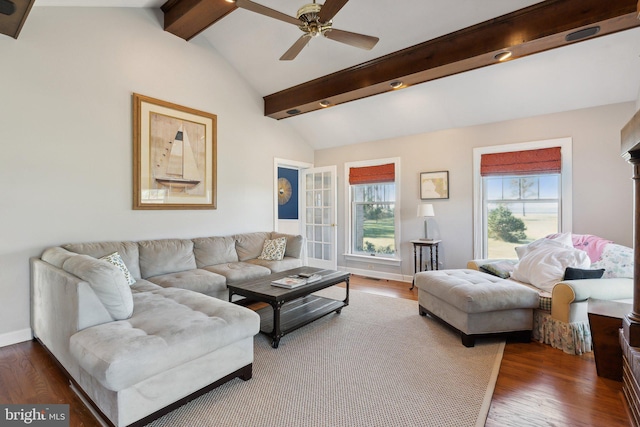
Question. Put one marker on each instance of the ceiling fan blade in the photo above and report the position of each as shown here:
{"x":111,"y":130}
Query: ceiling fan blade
{"x":330,"y":8}
{"x":296,"y":48}
{"x":263,"y":10}
{"x":352,"y":39}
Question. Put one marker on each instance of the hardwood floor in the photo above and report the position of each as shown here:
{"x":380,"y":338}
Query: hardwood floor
{"x":542,"y":386}
{"x":28,"y":375}
{"x":537,"y":385}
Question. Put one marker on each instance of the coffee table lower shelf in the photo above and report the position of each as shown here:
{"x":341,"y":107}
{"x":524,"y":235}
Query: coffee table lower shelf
{"x":295,"y":314}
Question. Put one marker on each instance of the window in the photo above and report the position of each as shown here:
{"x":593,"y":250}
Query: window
{"x":373,"y":219}
{"x":522,"y":193}
{"x":519,"y":209}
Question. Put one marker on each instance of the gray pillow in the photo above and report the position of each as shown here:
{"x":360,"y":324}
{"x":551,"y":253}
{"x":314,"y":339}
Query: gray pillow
{"x":502,"y":269}
{"x":56,"y":256}
{"x":106,"y":280}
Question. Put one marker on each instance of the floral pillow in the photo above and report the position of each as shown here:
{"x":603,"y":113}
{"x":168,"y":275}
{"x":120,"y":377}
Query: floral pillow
{"x":617,"y":261}
{"x":273,"y":250}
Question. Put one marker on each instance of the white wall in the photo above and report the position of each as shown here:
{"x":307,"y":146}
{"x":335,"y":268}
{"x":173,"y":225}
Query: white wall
{"x":602,"y":187}
{"x":66,"y":139}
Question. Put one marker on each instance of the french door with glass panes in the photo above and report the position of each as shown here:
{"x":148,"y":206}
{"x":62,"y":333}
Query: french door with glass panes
{"x":320,"y":217}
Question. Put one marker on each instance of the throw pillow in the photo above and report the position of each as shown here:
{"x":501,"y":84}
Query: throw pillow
{"x":544,"y":263}
{"x":116,"y":260}
{"x":563,"y":239}
{"x":273,"y":250}
{"x":577,"y":273}
{"x":106,"y":280}
{"x":617,"y":261}
{"x":501,"y":269}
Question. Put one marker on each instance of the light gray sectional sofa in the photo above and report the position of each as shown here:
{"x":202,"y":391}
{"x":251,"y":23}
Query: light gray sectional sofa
{"x":138,"y":350}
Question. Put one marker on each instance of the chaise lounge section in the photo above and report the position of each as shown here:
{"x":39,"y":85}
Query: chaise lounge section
{"x":476,"y":304}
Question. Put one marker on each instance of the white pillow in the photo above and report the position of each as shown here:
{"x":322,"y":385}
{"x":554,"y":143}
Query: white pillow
{"x":563,"y":239}
{"x":543,"y":263}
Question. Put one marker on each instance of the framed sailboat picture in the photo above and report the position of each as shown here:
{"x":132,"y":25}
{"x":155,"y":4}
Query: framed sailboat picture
{"x":174,"y":156}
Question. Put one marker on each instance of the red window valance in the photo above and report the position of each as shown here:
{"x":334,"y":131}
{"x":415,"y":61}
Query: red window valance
{"x":544,"y":160}
{"x":372,"y":174}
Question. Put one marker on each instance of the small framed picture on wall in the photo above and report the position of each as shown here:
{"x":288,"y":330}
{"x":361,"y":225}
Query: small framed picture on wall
{"x":434,"y":185}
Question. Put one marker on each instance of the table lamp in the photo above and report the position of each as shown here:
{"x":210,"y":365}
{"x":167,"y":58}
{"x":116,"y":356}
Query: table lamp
{"x":425,"y":210}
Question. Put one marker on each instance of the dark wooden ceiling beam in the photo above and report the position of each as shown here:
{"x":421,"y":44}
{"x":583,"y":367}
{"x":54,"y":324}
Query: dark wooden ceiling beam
{"x":188,"y":18}
{"x":535,"y":29}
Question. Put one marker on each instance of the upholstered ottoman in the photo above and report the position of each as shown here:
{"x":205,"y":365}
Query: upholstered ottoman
{"x":476,"y":303}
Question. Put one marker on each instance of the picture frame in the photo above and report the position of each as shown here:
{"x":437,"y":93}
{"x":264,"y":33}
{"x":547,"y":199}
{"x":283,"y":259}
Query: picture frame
{"x":434,"y":185}
{"x":174,"y":156}
{"x":288,"y":193}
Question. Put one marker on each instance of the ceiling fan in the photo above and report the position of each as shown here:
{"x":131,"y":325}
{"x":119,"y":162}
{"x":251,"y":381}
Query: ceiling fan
{"x":314,"y":20}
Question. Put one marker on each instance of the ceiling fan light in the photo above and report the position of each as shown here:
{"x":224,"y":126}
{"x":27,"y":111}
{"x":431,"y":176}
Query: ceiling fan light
{"x":397,"y":84}
{"x":309,"y":12}
{"x":325,"y":103}
{"x":502,"y":56}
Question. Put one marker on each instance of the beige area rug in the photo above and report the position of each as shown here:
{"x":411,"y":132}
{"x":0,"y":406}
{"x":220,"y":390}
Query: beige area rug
{"x":378,"y":363}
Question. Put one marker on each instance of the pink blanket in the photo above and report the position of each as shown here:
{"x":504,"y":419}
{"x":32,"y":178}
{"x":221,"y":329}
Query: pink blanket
{"x":592,"y":245}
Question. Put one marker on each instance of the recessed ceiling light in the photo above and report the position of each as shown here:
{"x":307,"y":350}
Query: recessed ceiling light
{"x":325,"y":103}
{"x":396,"y":84}
{"x":293,"y":112}
{"x":503,"y":55}
{"x":7,"y":7}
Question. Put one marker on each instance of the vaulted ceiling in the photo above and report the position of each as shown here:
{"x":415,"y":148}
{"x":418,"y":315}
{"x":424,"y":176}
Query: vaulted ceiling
{"x":443,"y":51}
{"x":534,"y":29}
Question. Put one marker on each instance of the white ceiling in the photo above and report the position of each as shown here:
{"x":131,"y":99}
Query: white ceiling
{"x":600,"y":71}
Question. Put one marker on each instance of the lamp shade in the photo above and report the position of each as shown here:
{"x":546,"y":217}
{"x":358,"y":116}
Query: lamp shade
{"x":425,"y":209}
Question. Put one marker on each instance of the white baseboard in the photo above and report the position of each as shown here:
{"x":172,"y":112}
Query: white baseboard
{"x":15,"y":337}
{"x":377,"y":274}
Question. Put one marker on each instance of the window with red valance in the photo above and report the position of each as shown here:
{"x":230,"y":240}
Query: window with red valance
{"x":373,"y":217}
{"x":521,"y":197}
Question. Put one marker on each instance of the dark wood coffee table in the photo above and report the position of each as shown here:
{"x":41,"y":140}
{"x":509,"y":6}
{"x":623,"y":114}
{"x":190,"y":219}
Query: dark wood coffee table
{"x":291,"y":308}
